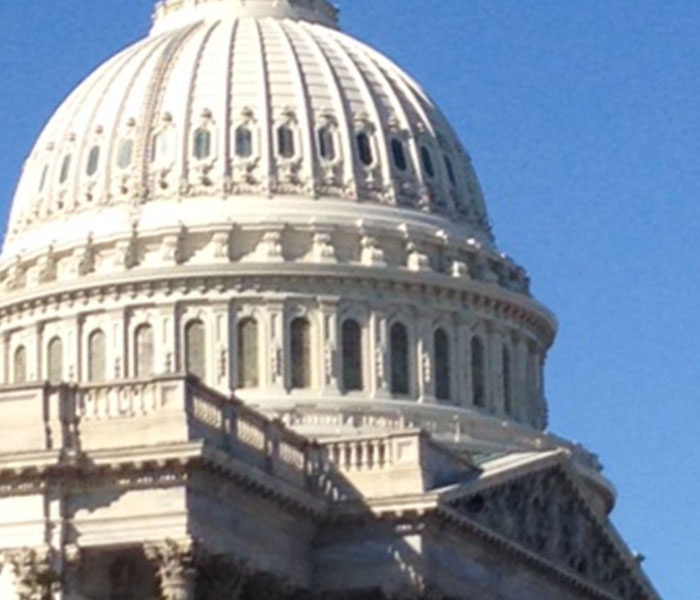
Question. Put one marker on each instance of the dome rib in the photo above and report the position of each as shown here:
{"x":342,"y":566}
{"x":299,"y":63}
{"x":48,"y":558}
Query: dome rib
{"x":265,"y":108}
{"x":374,"y":119}
{"x":120,"y":120}
{"x":306,"y":125}
{"x":341,"y":106}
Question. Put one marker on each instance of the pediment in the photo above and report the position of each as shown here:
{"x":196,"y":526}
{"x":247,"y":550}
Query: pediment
{"x":545,"y":511}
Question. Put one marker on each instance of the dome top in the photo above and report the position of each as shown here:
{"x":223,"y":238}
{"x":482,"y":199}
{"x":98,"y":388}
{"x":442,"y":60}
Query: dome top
{"x":171,"y":14}
{"x":256,"y":102}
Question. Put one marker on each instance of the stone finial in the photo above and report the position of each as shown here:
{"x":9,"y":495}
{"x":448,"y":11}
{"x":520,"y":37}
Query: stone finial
{"x":372,"y":253}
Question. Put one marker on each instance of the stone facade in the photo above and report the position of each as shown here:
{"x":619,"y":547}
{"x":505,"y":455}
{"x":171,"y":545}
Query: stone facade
{"x":257,"y":342}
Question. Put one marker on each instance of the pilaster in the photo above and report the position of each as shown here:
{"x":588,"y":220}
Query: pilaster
{"x":378,"y":355}
{"x":275,"y":347}
{"x":330,"y":342}
{"x":495,"y":368}
{"x":221,"y":348}
{"x":426,"y":367}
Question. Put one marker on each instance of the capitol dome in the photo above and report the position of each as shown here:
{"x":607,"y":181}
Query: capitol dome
{"x":253,"y":197}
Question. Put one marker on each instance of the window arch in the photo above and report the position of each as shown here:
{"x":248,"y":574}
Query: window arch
{"x":248,"y":366}
{"x":93,"y":161}
{"x":243,"y":142}
{"x":300,"y":353}
{"x":202,"y":143}
{"x":399,"y":357}
{"x":507,"y":388}
{"x":364,"y":149}
{"x":144,"y":351}
{"x":54,"y":367}
{"x":478,"y":370}
{"x":19,"y":365}
{"x":442,"y":365}
{"x":399,"y":154}
{"x":326,"y":143}
{"x":65,"y":169}
{"x":352,"y":356}
{"x":195,"y":349}
{"x":285,"y":141}
{"x":427,"y":160}
{"x":124,"y":153}
{"x":97,"y":356}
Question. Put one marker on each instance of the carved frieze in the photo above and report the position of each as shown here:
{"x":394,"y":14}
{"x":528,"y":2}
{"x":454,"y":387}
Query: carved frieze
{"x":544,"y":514}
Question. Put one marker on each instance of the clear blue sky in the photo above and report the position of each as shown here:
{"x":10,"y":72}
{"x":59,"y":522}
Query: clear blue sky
{"x":583,"y":120}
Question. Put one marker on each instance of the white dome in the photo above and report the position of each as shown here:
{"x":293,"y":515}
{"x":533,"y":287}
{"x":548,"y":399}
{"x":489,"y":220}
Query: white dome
{"x":199,"y":111}
{"x":253,"y":197}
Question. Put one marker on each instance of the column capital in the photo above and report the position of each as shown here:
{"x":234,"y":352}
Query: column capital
{"x":175,"y":560}
{"x":35,"y":576}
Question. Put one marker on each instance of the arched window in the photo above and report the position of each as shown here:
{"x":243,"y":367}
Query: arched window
{"x":442,"y":365}
{"x":124,"y":152}
{"x":195,"y":349}
{"x":248,"y":368}
{"x":19,"y":366}
{"x":397,"y":151}
{"x":65,"y":169}
{"x":42,"y":181}
{"x":352,"y":356}
{"x":507,"y":388}
{"x":144,"y":350}
{"x":97,"y":356}
{"x":202,"y":143}
{"x":55,"y":360}
{"x":399,"y":357}
{"x":93,"y":161}
{"x":364,"y":149}
{"x":244,"y":142}
{"x":326,"y":143}
{"x":285,"y":141}
{"x":450,"y":170}
{"x":427,"y":159}
{"x":300,"y":353}
{"x":478,"y":369}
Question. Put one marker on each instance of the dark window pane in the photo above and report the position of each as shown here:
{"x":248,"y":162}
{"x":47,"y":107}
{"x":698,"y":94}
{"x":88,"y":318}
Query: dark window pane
{"x":202,"y":143}
{"x":126,"y":148}
{"x":144,"y":349}
{"x":442,"y":365}
{"x":20,"y":365}
{"x":326,"y":144}
{"x":55,"y":360}
{"x":300,"y":349}
{"x":478,"y":371}
{"x":352,"y":356}
{"x":42,"y":181}
{"x":285,"y":141}
{"x":65,"y":169}
{"x":400,"y":371}
{"x":364,"y":149}
{"x":93,"y":160}
{"x":97,"y":356}
{"x":397,"y":151}
{"x":507,"y":391}
{"x":195,"y":349}
{"x":244,"y":142}
{"x":450,"y":170}
{"x":248,"y":354}
{"x":427,"y":159}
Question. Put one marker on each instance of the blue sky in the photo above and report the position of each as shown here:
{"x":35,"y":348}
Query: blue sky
{"x":583,"y":121}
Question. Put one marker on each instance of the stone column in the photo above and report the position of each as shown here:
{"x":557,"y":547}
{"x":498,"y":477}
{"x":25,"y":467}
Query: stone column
{"x":274,"y":349}
{"x":378,"y":384}
{"x":165,"y":355}
{"x":221,"y":348}
{"x":520,"y":379}
{"x":494,"y":363}
{"x":176,"y":569}
{"x":328,"y":319}
{"x":35,"y":577}
{"x":6,"y":361}
{"x":426,"y":362}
